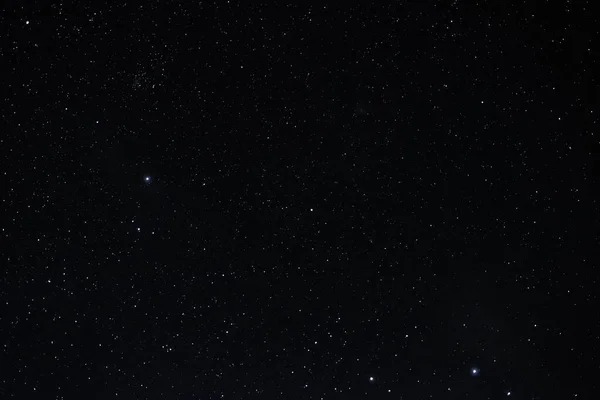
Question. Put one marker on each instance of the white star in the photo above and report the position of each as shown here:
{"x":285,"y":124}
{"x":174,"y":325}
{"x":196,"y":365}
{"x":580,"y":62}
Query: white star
{"x":147,"y":178}
{"x":474,"y":371}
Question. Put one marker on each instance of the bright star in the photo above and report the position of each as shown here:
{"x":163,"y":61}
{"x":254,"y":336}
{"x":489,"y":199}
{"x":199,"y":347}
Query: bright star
{"x":474,"y":371}
{"x":147,"y":179}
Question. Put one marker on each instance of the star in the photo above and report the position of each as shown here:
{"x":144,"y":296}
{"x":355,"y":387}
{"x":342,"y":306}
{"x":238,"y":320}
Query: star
{"x":474,"y":371}
{"x":147,"y":178}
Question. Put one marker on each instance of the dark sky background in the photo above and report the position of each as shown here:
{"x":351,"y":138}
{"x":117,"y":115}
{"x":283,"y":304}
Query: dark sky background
{"x":216,"y":201}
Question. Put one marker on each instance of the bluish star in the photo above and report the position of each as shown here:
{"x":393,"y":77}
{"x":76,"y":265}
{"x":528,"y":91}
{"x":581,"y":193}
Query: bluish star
{"x":474,"y":371}
{"x":147,"y":179}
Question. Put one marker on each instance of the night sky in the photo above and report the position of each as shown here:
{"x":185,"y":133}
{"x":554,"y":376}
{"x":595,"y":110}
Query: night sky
{"x":216,"y":201}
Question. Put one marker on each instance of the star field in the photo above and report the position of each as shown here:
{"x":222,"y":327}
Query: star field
{"x":210,"y":200}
